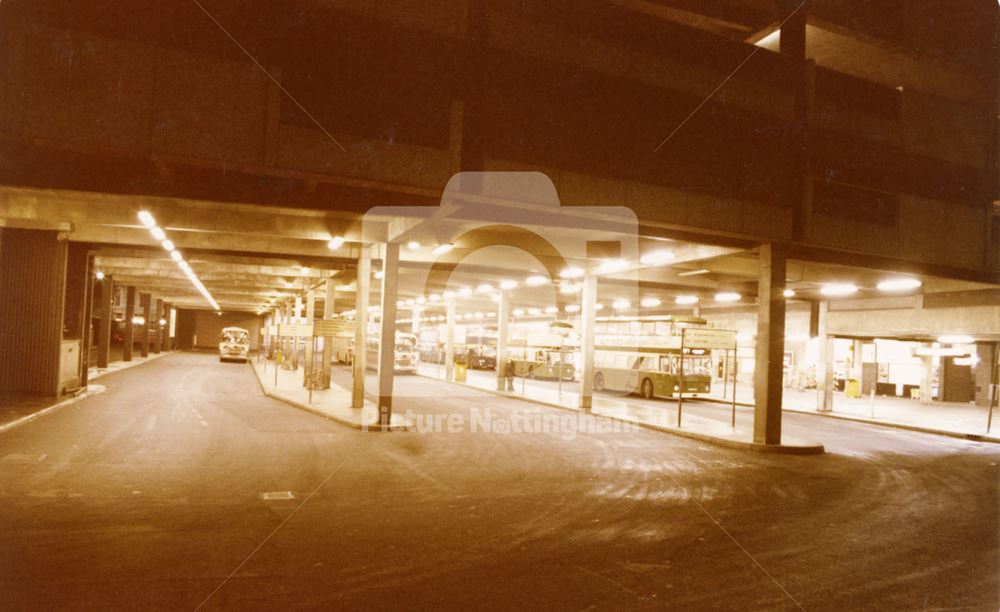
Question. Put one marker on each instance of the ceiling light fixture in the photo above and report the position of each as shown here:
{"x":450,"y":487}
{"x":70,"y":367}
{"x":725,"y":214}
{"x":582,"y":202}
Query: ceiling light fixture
{"x":335,"y":243}
{"x":413,"y":245}
{"x":727,"y":296}
{"x":686,"y":300}
{"x":956,"y":339}
{"x":149,"y":222}
{"x":788,"y":293}
{"x":508,"y":284}
{"x":694,"y":272}
{"x":571,"y":272}
{"x":650,"y":302}
{"x":899,"y":284}
{"x":839,"y":289}
{"x":536,"y":280}
{"x":441,"y":249}
{"x":656,"y":258}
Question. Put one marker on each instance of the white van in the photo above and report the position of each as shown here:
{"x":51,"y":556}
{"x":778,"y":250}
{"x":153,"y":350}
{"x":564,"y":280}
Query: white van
{"x":235,"y":344}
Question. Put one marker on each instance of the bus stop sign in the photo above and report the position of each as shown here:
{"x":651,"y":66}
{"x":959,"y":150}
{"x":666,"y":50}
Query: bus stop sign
{"x":703,"y":338}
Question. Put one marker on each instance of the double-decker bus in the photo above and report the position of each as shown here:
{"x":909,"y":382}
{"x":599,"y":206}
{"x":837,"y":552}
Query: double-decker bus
{"x":644,"y":356}
{"x":482,"y":350}
{"x":405,"y":359}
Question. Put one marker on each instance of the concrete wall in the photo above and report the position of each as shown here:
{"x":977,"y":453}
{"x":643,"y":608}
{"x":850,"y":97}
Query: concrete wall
{"x":210,"y":108}
{"x":208,"y":327}
{"x":32,"y":290}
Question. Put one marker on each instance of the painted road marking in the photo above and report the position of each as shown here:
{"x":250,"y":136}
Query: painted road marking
{"x":276,"y":495}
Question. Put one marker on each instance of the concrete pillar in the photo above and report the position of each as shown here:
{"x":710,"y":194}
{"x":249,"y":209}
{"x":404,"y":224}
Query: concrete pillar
{"x":105,"y":305}
{"x":168,"y":330}
{"x":856,"y":358}
{"x":157,"y":328}
{"x":984,"y":372}
{"x":361,"y":327}
{"x":329,"y":310}
{"x":296,"y":318}
{"x":415,"y":320}
{"x":449,"y":342}
{"x":310,"y":317}
{"x":926,"y":379}
{"x":387,"y":331}
{"x":770,"y":345}
{"x":129,"y":338}
{"x":145,"y":301}
{"x":86,"y":324}
{"x":32,"y":295}
{"x":824,"y":369}
{"x":588,"y":316}
{"x":503,"y":333}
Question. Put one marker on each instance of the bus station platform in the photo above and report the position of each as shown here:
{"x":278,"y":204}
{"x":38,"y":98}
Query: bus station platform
{"x":333,"y":403}
{"x":699,"y":420}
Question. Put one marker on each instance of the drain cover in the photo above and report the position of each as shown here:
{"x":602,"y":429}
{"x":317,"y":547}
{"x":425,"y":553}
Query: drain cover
{"x":272,"y":495}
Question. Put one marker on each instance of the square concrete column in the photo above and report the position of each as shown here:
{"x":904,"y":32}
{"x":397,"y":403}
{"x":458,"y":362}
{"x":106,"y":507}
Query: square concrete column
{"x":984,"y":372}
{"x":129,"y":324}
{"x":415,"y":320}
{"x":770,"y":346}
{"x":105,"y":305}
{"x":308,"y":342}
{"x":32,"y":296}
{"x":387,"y":331}
{"x":145,"y":302}
{"x":168,"y":314}
{"x":329,"y":310}
{"x":297,"y":317}
{"x":361,"y":327}
{"x":449,"y":341}
{"x":157,"y":328}
{"x":503,"y":333}
{"x":926,"y":379}
{"x":824,"y":369}
{"x":87,"y":332}
{"x":588,"y":315}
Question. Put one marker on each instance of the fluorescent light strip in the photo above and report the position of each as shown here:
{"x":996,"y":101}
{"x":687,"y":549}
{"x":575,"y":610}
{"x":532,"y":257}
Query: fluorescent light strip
{"x":149,"y":222}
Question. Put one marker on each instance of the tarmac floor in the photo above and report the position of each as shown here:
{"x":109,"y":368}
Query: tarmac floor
{"x":182,"y":486}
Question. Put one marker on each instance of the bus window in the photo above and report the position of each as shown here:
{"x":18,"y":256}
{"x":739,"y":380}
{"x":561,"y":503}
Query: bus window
{"x":698,"y":366}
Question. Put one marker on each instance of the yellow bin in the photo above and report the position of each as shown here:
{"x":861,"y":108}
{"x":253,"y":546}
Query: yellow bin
{"x":460,"y":372}
{"x":852,"y":388}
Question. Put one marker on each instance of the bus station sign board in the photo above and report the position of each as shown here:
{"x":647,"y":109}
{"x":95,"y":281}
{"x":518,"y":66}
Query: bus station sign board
{"x":295,"y":330}
{"x":704,"y":338}
{"x":334,"y":327}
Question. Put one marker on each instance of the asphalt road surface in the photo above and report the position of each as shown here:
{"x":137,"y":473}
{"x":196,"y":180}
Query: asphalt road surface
{"x":166,"y":492}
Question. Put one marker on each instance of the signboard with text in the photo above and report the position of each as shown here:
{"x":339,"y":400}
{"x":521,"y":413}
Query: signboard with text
{"x":704,"y":338}
{"x":336,"y":327}
{"x":295,"y":330}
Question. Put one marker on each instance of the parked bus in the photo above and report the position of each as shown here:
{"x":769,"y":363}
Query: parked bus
{"x":482,"y":351}
{"x":234,"y":344}
{"x":405,"y":357}
{"x":651,"y":372}
{"x":643,"y":356}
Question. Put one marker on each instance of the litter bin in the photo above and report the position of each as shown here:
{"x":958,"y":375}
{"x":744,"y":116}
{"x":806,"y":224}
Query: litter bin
{"x":460,"y":372}
{"x":852,"y":388}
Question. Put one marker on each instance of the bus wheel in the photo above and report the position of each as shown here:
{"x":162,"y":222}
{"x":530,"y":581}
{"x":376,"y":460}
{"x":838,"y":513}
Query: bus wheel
{"x":599,"y":382}
{"x":647,"y":388}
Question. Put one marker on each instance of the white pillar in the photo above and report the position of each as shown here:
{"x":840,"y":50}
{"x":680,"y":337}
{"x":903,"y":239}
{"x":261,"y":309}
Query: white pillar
{"x":824,"y":369}
{"x":296,"y":318}
{"x":449,"y":346}
{"x":415,"y":321}
{"x":328,"y":312}
{"x":588,"y":314}
{"x":503,"y":318}
{"x":310,"y":317}
{"x":926,"y":376}
{"x":387,"y":331}
{"x":361,"y":327}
